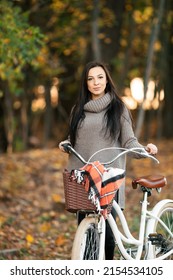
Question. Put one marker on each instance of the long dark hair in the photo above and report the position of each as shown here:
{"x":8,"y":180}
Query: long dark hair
{"x":114,"y":110}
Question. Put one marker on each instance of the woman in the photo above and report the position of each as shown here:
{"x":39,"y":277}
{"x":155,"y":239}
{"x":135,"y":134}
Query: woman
{"x":99,"y":120}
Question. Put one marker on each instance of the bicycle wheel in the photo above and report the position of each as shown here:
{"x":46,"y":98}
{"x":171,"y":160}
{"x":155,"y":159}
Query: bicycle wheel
{"x":89,"y":241}
{"x":161,"y":239}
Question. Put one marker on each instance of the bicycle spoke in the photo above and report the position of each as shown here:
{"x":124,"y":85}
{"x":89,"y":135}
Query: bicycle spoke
{"x":165,"y":241}
{"x":90,"y":244}
{"x":87,"y":244}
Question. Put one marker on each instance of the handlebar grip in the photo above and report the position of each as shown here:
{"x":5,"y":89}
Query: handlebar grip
{"x":67,"y":147}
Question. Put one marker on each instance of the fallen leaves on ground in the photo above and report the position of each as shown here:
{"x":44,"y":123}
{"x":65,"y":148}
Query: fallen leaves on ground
{"x":33,"y":220}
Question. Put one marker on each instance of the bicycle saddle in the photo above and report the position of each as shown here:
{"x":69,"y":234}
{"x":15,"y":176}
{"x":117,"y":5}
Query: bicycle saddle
{"x":150,"y":181}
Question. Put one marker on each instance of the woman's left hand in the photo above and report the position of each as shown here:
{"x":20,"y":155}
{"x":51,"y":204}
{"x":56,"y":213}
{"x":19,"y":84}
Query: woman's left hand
{"x":152,"y":149}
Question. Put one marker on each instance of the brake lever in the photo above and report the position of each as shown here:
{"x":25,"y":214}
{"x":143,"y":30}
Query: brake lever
{"x":144,"y":152}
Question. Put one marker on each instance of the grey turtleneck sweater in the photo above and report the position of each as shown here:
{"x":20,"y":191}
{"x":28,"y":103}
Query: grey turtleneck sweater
{"x":91,"y":138}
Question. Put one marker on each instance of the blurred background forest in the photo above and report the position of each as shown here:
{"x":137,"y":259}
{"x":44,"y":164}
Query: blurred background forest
{"x":44,"y":45}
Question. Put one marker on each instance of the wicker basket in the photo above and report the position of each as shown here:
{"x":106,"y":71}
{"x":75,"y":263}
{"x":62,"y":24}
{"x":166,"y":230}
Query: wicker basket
{"x":76,"y":198}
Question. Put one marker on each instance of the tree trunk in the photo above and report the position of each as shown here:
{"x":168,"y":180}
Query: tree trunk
{"x":3,"y":138}
{"x":48,"y":115}
{"x":95,"y":32}
{"x":150,"y":54}
{"x":128,"y":52}
{"x":168,"y":74}
{"x":9,"y":118}
{"x":24,"y":121}
{"x":113,"y":33}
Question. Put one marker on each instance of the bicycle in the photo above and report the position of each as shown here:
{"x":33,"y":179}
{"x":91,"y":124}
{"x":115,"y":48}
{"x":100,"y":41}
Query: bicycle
{"x":155,"y":236}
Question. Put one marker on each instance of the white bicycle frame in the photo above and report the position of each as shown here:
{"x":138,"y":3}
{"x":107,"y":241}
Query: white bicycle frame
{"x":146,"y":221}
{"x":127,"y":236}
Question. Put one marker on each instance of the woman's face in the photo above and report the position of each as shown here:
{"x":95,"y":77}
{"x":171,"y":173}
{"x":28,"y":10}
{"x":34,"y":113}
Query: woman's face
{"x":96,"y":82}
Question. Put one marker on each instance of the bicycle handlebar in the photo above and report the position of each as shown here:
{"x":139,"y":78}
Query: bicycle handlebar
{"x":141,"y":151}
{"x":68,"y":149}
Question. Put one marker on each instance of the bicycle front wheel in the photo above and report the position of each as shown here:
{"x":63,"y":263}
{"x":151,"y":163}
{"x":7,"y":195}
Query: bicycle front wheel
{"x":161,"y":237}
{"x":89,"y":240}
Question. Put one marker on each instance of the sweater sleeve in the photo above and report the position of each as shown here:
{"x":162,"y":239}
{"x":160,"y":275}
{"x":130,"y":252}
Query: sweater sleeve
{"x":127,"y":137}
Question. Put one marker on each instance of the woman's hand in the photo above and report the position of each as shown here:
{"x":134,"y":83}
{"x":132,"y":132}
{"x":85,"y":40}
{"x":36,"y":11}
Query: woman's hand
{"x":151,"y":149}
{"x":61,"y":145}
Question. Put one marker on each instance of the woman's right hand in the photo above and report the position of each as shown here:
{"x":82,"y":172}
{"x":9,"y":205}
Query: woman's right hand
{"x":151,"y":149}
{"x":61,"y":145}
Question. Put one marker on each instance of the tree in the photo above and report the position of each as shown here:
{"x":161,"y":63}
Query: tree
{"x":20,"y":45}
{"x":116,"y":32}
{"x":153,"y":37}
{"x":166,"y":64}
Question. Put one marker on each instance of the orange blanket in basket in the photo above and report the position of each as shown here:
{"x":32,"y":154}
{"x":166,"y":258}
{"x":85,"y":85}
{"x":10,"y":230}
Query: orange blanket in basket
{"x":104,"y":182}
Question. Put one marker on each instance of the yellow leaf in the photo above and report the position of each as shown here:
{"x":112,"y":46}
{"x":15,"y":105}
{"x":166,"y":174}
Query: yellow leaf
{"x":60,"y":240}
{"x":45,"y":227}
{"x":56,"y":197}
{"x":6,"y":41}
{"x":2,"y":220}
{"x":29,"y":238}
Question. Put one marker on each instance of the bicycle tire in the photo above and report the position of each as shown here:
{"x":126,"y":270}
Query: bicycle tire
{"x":161,"y":241}
{"x":87,"y":242}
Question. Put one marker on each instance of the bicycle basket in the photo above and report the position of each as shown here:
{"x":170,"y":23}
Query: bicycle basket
{"x":76,"y":198}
